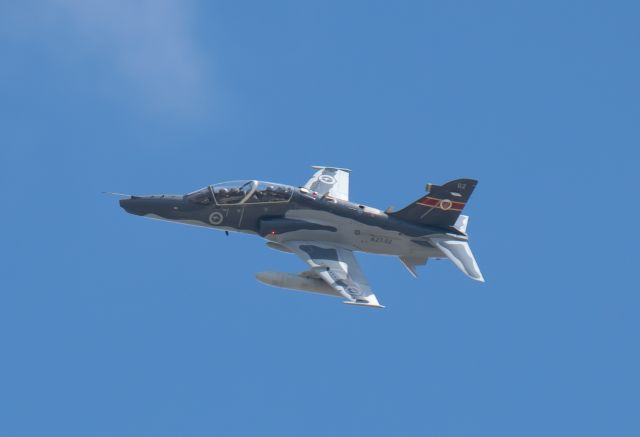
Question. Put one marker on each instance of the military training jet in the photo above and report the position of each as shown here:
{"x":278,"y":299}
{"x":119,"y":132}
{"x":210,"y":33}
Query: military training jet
{"x":320,"y":225}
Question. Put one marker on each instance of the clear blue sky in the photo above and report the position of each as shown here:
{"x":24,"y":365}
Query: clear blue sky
{"x":112,"y":325}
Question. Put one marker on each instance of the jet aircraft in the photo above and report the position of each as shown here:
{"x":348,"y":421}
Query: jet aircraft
{"x":318,"y":223}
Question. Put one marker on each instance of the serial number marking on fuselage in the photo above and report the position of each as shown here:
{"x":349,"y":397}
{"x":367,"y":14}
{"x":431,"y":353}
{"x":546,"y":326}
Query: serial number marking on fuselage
{"x":379,"y":239}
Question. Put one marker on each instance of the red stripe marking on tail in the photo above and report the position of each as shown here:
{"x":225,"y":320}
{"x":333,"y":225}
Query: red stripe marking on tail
{"x":437,"y":203}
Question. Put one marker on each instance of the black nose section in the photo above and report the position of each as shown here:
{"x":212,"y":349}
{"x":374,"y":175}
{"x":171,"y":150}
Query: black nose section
{"x":134,"y":205}
{"x":168,"y":207}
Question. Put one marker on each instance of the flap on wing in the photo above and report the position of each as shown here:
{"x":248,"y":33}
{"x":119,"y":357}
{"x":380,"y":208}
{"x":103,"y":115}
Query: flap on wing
{"x":330,"y":180}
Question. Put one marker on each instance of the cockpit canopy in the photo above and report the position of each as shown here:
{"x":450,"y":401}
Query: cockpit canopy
{"x":241,"y":192}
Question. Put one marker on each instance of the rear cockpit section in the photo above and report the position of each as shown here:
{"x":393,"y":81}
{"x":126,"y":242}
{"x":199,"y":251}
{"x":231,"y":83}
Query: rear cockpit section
{"x":250,"y":192}
{"x":268,"y":192}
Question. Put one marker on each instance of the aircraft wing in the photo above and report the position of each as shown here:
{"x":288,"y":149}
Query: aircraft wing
{"x":339,"y":268}
{"x":330,"y":180}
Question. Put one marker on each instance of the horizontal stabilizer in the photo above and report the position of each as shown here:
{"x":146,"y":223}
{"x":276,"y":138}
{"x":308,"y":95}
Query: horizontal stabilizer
{"x":459,"y":252}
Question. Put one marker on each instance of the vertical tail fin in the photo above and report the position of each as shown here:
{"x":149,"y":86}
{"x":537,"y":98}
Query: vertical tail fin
{"x":441,"y":206}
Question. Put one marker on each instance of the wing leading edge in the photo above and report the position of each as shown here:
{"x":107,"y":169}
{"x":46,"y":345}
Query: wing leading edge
{"x":339,"y":268}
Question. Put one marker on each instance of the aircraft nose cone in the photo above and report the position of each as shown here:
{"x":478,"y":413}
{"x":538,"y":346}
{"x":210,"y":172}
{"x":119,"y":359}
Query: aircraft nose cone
{"x":132,"y":205}
{"x":168,"y":207}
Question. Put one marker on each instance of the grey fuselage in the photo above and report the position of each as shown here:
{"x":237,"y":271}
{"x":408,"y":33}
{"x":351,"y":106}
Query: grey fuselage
{"x":303,"y":217}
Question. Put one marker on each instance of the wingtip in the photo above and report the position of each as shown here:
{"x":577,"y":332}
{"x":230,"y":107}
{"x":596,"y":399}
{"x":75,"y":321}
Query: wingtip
{"x":362,"y":304}
{"x":320,"y":167}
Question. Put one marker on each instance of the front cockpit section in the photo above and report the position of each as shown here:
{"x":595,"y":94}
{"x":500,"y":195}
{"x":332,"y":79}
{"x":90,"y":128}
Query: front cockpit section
{"x":241,"y":192}
{"x":232,"y":193}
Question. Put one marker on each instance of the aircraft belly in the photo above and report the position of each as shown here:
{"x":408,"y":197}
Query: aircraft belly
{"x":351,"y":234}
{"x":310,"y":235}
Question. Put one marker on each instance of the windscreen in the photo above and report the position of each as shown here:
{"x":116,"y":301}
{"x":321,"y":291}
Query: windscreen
{"x":202,"y":196}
